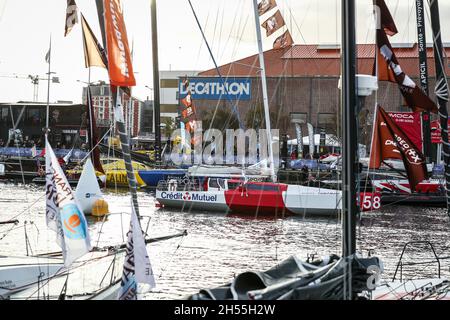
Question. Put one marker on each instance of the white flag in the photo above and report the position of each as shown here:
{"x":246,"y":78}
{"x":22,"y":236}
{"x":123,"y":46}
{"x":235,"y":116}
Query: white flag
{"x":67,"y":156}
{"x":137,"y":267}
{"x":33,"y":151}
{"x":47,"y":56}
{"x":298,"y":133}
{"x":63,"y":213}
{"x":312,"y":147}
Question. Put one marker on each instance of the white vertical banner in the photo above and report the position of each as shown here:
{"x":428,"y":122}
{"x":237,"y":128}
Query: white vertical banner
{"x":312,"y":146}
{"x":298,"y":132}
{"x":63,"y":214}
{"x":137,"y":268}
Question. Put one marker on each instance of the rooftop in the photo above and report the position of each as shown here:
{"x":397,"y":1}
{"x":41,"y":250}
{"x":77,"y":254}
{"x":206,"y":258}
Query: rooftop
{"x":322,"y":60}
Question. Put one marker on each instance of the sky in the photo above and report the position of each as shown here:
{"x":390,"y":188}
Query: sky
{"x":229,"y":26}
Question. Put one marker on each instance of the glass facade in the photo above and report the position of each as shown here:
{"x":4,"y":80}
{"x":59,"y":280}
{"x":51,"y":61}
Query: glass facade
{"x":66,"y":121}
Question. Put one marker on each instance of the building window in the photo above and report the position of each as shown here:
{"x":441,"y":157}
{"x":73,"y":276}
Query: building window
{"x":102,"y":90}
{"x":299,"y":117}
{"x":4,"y":115}
{"x":101,"y":108}
{"x":169,"y":83}
{"x":327,"y":121}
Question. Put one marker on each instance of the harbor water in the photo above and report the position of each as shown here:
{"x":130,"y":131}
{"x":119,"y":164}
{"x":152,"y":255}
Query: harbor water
{"x":218,"y":247}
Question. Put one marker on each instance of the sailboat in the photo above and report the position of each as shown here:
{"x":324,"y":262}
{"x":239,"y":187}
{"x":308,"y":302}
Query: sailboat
{"x":333,"y":278}
{"x":232,"y":191}
{"x":393,"y":184}
{"x":88,"y":192}
{"x":60,"y":199}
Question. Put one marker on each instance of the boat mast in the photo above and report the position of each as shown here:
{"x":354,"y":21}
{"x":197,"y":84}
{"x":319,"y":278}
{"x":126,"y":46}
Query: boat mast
{"x":423,"y":70}
{"x":264,"y":91}
{"x":156,"y":99}
{"x":441,"y":91}
{"x":47,"y":119}
{"x":101,"y":21}
{"x":116,"y":94}
{"x":349,"y":139}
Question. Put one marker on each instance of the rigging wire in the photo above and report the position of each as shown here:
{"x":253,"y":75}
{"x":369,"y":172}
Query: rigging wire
{"x":234,"y":106}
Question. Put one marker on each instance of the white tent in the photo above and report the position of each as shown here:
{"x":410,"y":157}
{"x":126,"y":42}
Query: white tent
{"x":330,"y":140}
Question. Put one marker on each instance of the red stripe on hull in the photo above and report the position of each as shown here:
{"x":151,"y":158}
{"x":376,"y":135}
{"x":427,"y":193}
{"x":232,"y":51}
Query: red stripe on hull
{"x":258,"y":202}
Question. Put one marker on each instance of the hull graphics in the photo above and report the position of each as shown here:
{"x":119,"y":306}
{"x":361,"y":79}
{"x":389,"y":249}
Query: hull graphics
{"x":265,"y":199}
{"x":402,"y":186}
{"x":193,"y":200}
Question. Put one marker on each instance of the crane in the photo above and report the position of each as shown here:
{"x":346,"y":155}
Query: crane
{"x":34,"y":80}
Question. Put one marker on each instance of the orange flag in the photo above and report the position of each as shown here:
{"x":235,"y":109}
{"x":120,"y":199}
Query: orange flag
{"x":384,"y":72}
{"x":119,"y":57}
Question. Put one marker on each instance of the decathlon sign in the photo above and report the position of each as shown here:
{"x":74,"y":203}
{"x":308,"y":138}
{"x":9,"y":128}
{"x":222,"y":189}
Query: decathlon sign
{"x":216,"y":88}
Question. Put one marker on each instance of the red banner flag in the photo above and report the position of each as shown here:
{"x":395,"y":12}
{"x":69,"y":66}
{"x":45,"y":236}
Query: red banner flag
{"x":283,"y":41}
{"x":119,"y":58}
{"x":266,"y":5}
{"x":384,"y":18}
{"x":411,"y":124}
{"x":390,"y":142}
{"x":384,"y":72}
{"x":188,"y":111}
{"x":274,"y":23}
{"x":415,"y":98}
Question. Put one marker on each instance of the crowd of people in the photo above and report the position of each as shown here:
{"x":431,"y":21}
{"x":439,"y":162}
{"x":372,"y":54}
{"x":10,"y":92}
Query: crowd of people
{"x":22,"y":143}
{"x":38,"y":143}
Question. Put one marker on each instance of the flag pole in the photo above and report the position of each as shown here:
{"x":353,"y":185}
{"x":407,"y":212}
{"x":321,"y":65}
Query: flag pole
{"x":48,"y":86}
{"x":264,"y":91}
{"x":441,"y":91}
{"x":156,"y":93}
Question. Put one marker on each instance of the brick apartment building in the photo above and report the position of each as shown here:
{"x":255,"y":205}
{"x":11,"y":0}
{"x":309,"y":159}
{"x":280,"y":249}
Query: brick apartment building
{"x":103,"y":107}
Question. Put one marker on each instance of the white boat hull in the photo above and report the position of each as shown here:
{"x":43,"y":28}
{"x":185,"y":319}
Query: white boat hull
{"x":287,"y":199}
{"x":193,"y":200}
{"x":420,"y":289}
{"x":302,"y":200}
{"x":18,"y":274}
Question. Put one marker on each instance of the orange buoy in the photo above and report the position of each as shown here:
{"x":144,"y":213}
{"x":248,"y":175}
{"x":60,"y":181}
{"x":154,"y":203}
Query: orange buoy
{"x":100,"y":208}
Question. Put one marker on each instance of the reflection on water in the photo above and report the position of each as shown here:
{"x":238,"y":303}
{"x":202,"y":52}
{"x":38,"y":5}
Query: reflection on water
{"x":218,"y":247}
